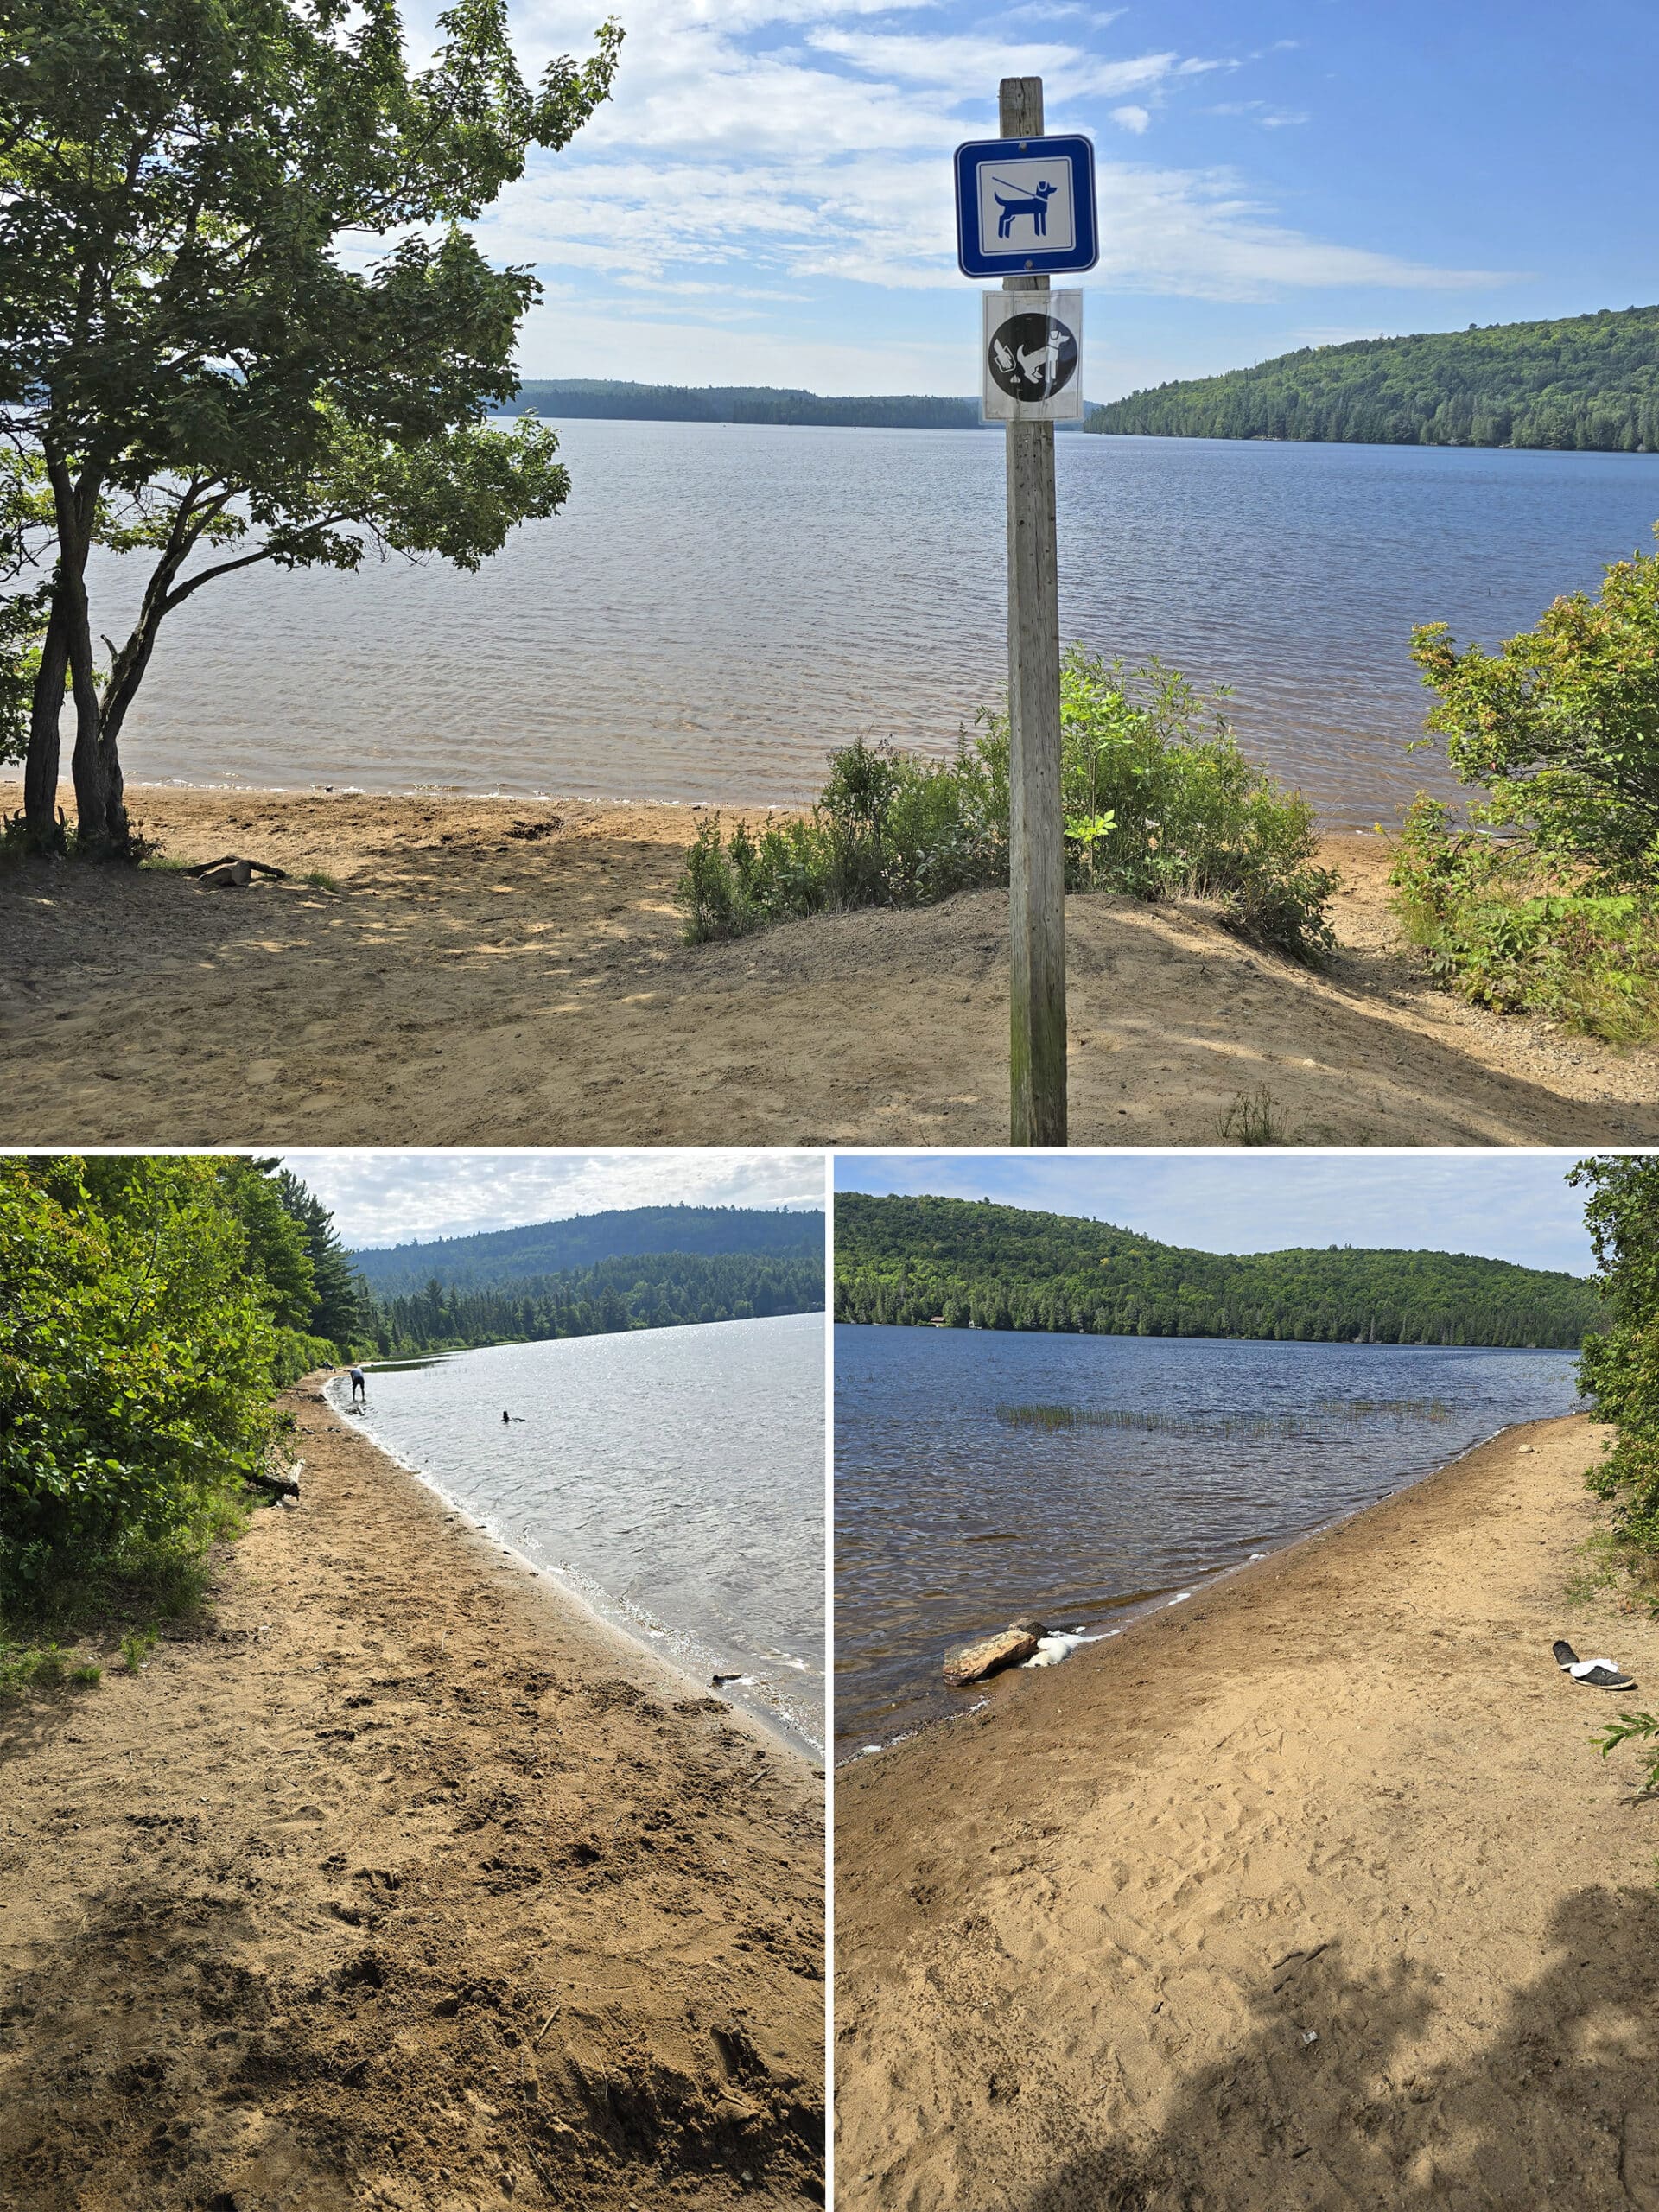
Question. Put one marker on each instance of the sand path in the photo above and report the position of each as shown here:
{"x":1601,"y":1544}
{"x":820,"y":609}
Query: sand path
{"x":1084,"y":1940}
{"x":512,"y":973}
{"x":407,"y":1883}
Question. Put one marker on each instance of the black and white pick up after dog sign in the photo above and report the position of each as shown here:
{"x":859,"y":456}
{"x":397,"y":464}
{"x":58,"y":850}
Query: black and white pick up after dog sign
{"x":1032,"y":366}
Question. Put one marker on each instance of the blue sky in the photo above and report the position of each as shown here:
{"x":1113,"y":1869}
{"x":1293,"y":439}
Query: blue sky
{"x":767,"y":198}
{"x":383,"y":1196}
{"x":1503,"y":1205}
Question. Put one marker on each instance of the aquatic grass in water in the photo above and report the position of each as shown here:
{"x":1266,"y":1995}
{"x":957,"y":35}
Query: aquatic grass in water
{"x":1322,"y":1414}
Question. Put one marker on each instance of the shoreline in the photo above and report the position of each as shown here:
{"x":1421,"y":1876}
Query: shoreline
{"x":1364,"y":823}
{"x":1312,"y":1892}
{"x":402,"y":1878}
{"x":439,"y":972}
{"x":1140,"y":1613}
{"x":775,"y":1727}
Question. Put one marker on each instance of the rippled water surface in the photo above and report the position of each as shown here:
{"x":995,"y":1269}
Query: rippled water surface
{"x":982,"y":1475}
{"x":673,"y":1476}
{"x":720,"y":605}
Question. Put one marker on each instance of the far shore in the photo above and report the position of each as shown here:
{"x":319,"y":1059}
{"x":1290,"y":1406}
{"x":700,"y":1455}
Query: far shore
{"x":405,"y":1880}
{"x":442,"y":972}
{"x":1310,"y":1892}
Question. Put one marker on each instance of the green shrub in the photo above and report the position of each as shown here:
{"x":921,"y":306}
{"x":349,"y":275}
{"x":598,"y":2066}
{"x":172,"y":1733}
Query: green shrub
{"x":1157,"y":800}
{"x":1561,"y":727}
{"x":1618,"y":1368}
{"x":294,"y":1353}
{"x":135,"y":1378}
{"x":1502,"y":925}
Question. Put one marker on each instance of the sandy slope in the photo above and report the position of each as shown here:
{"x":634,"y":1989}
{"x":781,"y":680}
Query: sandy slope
{"x":410,"y":1885}
{"x":1082,"y":1939}
{"x":512,"y":973}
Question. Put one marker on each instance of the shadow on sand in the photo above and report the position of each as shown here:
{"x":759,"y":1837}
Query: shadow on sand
{"x":1556,"y":2103}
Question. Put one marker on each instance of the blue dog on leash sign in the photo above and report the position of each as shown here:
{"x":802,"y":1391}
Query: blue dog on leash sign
{"x":1026,"y":207}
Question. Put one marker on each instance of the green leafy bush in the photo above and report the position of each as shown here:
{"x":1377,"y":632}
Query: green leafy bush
{"x":1619,"y":1367}
{"x":1504,"y":927}
{"x":1561,"y":727}
{"x":294,"y":1354}
{"x":1157,"y":800}
{"x":135,"y":1352}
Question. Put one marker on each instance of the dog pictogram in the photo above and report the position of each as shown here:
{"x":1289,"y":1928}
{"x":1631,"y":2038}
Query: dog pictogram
{"x":1033,"y":356}
{"x":1035,"y":205}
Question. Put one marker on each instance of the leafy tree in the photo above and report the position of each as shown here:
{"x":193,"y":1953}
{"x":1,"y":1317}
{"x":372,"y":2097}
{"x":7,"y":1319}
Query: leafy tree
{"x":196,"y":365}
{"x":1561,"y":725}
{"x":136,"y":1345}
{"x":1620,"y":1365}
{"x":338,"y":1309}
{"x":278,"y":1250}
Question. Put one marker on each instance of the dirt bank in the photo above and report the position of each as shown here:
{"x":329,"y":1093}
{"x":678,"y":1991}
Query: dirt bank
{"x":404,"y":1883}
{"x":1310,"y":1893}
{"x":511,"y":973}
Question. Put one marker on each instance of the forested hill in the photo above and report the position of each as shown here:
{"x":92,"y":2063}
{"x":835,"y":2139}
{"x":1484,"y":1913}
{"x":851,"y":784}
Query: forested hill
{"x":499,"y":1257}
{"x":1591,"y":382}
{"x":573,"y":398}
{"x":909,"y":1261}
{"x":648,"y":1290}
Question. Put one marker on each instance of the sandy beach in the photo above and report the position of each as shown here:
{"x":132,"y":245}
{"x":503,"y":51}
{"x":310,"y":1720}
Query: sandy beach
{"x":511,"y":972}
{"x":1312,"y":1892}
{"x":406,"y":1882}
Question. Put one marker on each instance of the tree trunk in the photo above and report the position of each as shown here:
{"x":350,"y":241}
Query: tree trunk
{"x":101,"y":824}
{"x":100,"y":787}
{"x":45,"y":745}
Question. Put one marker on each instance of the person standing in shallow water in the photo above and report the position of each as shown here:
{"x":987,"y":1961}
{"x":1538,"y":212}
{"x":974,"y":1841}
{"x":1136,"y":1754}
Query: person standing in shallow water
{"x":359,"y":1384}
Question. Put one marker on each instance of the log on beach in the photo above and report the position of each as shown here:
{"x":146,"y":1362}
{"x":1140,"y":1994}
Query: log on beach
{"x":988,"y":1655}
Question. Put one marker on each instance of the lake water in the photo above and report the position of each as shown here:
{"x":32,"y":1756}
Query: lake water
{"x":674,"y":1478}
{"x":720,"y":605}
{"x":957,"y":1510}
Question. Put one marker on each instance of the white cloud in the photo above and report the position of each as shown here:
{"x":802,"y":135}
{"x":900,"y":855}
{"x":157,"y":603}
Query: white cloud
{"x":971,"y":68}
{"x":382,"y":1197}
{"x":1051,"y":11}
{"x":757,"y":150}
{"x":585,"y":337}
{"x":1258,"y":111}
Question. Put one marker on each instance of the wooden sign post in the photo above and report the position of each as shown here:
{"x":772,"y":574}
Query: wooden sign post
{"x":1026,"y":211}
{"x":1036,"y":831}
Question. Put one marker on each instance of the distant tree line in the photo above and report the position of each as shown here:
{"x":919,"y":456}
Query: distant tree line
{"x":573,"y":397}
{"x":661,"y":1290}
{"x":1589,"y":383}
{"x":491,"y":1258}
{"x":905,"y":1262}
